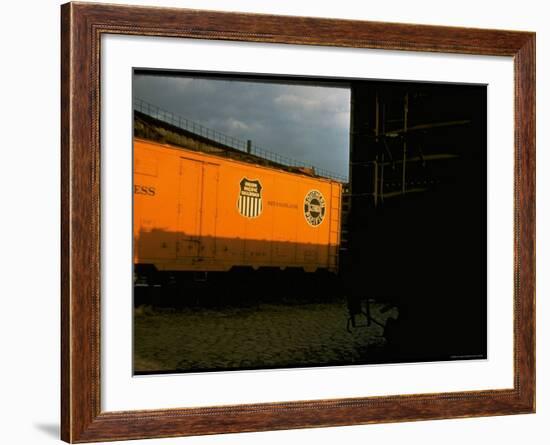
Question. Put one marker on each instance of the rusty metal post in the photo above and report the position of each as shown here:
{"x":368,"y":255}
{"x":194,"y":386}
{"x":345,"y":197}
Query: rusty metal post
{"x":375,"y":181}
{"x":375,"y":164}
{"x":382,"y":179}
{"x":405,"y":119}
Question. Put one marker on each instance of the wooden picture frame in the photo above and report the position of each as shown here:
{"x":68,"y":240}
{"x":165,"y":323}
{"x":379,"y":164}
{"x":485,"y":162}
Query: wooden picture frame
{"x":82,"y":26}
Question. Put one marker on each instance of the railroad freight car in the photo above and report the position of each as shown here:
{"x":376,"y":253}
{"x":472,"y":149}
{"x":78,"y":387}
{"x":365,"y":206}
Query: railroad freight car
{"x":205,"y":213}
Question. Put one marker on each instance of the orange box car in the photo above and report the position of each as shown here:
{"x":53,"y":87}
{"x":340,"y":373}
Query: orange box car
{"x":200,"y":212}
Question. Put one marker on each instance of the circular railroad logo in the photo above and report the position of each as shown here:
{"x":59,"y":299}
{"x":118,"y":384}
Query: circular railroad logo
{"x":314,"y":208}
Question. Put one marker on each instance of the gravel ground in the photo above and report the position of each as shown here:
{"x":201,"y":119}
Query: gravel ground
{"x":265,"y":336}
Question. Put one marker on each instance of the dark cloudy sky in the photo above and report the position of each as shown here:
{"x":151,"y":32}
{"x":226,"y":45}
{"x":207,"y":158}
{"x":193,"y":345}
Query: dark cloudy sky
{"x":305,"y":123}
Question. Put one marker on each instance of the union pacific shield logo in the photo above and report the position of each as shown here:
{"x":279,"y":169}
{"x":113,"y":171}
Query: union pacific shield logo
{"x":250,"y":198}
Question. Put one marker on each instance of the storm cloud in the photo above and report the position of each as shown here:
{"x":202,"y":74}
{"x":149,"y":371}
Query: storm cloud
{"x":305,"y":123}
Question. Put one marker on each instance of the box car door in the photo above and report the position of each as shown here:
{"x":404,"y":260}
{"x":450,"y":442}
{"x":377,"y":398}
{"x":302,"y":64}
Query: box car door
{"x":198,"y":209}
{"x":208,"y":210}
{"x":189,"y":208}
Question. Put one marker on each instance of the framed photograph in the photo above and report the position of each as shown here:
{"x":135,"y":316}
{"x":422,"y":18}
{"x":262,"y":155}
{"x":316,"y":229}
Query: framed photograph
{"x":274,"y":222}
